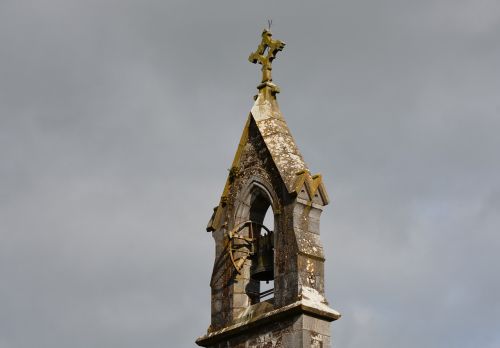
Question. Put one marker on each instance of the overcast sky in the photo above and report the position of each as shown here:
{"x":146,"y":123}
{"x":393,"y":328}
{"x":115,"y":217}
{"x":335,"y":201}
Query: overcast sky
{"x":119,"y":119}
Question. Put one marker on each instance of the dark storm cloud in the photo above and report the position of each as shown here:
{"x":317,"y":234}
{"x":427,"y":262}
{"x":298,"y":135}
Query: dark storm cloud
{"x":118,"y":120}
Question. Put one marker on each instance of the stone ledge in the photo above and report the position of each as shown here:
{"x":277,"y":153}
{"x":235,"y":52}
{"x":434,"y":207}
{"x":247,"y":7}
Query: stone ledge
{"x":296,"y":308}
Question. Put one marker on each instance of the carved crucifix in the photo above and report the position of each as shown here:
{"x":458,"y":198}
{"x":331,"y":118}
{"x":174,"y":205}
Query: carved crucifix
{"x":265,"y":54}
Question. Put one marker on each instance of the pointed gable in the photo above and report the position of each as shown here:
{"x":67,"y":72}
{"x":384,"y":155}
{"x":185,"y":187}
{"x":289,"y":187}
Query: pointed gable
{"x":278,"y":139}
{"x":284,"y":153}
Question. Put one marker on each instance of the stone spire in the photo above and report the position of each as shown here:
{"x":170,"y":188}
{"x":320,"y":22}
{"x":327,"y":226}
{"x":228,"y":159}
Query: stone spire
{"x":268,"y":175}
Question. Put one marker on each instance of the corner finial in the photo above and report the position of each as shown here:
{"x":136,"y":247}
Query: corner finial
{"x":264,"y":55}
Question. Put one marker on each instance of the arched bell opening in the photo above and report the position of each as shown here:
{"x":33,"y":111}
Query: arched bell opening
{"x":261,"y":214}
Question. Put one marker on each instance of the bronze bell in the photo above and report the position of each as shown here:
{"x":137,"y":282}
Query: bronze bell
{"x":263,"y":262}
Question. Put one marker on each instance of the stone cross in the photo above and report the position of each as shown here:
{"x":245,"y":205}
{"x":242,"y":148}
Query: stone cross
{"x":265,"y":54}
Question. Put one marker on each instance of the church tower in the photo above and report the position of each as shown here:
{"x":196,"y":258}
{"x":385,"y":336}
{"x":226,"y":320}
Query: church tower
{"x":268,"y":278}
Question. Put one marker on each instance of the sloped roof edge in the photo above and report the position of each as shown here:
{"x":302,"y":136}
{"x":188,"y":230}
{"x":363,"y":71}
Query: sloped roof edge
{"x":282,"y":148}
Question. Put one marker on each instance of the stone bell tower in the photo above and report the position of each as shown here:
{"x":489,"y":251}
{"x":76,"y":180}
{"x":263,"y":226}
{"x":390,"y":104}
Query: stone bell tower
{"x":268,"y":281}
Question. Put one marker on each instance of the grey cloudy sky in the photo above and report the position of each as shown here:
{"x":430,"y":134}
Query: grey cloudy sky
{"x":119,"y":119}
